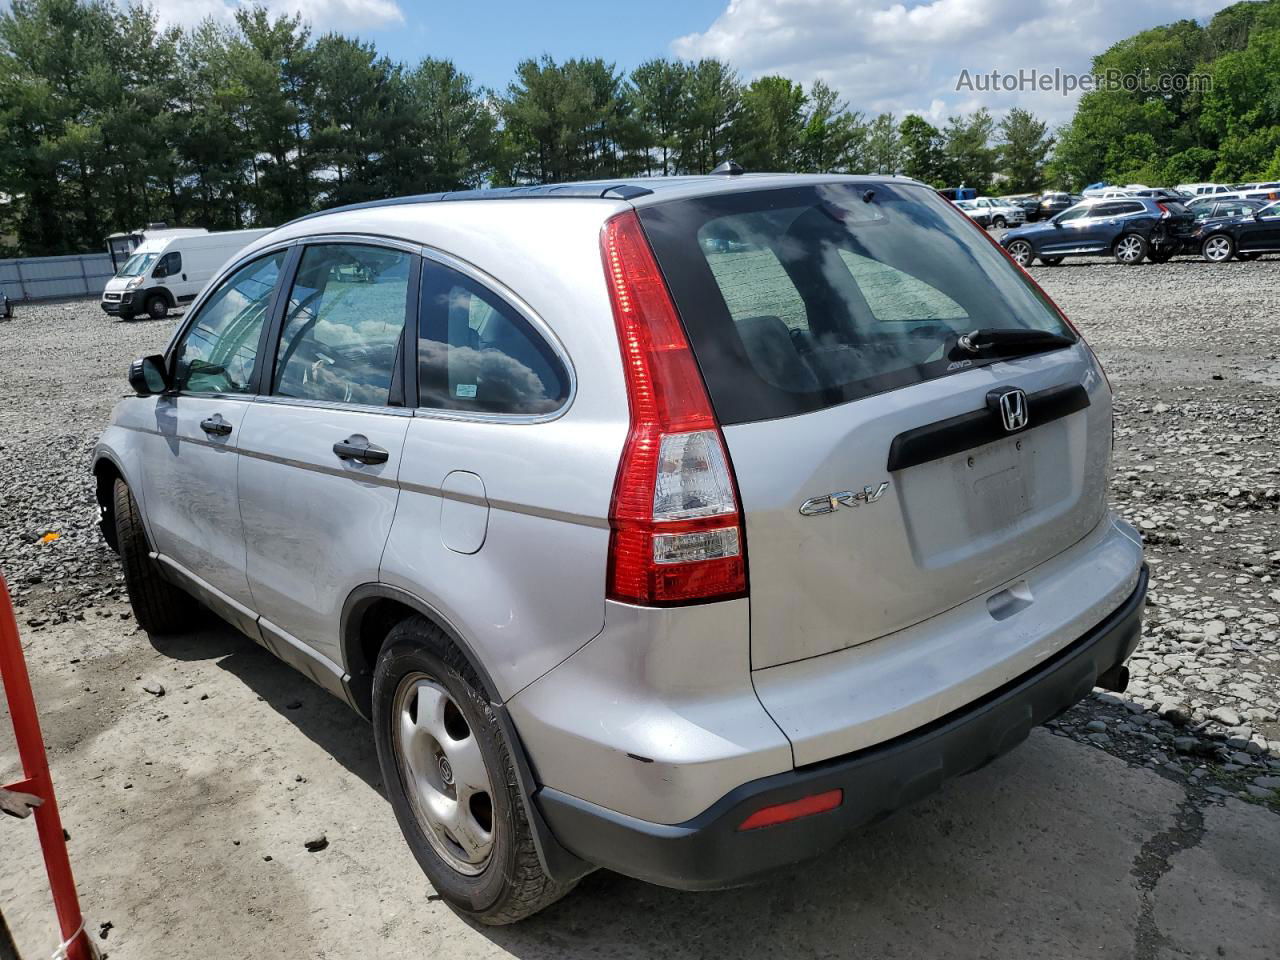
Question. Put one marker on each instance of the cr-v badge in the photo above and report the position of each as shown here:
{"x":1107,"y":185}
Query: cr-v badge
{"x":831,"y":502}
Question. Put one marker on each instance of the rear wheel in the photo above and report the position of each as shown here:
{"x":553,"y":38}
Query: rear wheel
{"x":451,"y":779}
{"x":1130,"y":249}
{"x":158,"y":606}
{"x":1218,"y":248}
{"x":1051,"y":261}
{"x":999,"y":223}
{"x":1021,"y":252}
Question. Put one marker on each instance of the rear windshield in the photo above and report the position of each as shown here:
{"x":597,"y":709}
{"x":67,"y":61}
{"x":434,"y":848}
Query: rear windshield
{"x":807,"y":297}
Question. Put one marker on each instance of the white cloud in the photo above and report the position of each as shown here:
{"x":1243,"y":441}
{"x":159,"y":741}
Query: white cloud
{"x":908,"y":56}
{"x":349,"y":16}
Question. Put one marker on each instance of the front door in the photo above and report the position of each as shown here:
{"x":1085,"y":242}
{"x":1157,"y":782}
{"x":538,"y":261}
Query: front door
{"x":320,"y":450}
{"x":1263,"y":233}
{"x":190,"y":465}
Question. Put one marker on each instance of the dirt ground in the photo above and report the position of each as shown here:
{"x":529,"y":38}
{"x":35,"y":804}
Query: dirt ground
{"x":1134,"y":827}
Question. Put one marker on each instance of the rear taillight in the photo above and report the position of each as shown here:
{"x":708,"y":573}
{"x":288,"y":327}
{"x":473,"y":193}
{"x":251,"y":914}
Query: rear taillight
{"x":677,"y":531}
{"x":1163,"y":208}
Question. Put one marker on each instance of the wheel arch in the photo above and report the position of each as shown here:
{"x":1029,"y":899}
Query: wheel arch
{"x":164,"y":292}
{"x":106,"y":471}
{"x":368,"y":615}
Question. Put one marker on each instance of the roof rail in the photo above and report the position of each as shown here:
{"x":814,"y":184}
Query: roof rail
{"x":599,"y":190}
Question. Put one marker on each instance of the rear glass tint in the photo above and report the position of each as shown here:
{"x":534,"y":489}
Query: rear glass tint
{"x":806,"y":297}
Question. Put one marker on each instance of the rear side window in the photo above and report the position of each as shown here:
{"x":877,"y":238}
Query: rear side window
{"x":802,"y":298}
{"x":344,"y":328}
{"x":477,"y":353}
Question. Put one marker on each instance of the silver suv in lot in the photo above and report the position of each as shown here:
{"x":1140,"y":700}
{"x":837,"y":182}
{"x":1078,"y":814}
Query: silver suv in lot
{"x":673,"y":526}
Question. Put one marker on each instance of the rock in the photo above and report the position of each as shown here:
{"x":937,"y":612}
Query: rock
{"x":154,"y":687}
{"x":1225,"y":716}
{"x":1267,"y":782}
{"x":316,"y":844}
{"x":1259,"y":792}
{"x":1185,"y":744}
{"x":1099,"y":726}
{"x":1175,"y":713}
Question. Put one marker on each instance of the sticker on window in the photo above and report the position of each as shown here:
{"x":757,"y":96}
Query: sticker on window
{"x":467,"y":390}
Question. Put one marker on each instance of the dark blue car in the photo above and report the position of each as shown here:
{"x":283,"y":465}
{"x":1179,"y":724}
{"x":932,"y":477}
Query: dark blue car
{"x":1131,"y":229}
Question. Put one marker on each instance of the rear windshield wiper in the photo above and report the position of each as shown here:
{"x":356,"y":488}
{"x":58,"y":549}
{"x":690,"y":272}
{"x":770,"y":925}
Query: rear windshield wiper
{"x":997,"y":342}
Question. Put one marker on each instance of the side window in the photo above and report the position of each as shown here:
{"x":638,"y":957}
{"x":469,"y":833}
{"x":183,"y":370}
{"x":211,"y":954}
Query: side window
{"x":344,"y":324}
{"x":477,"y":353}
{"x":217,"y":351}
{"x":170,"y":265}
{"x":1075,"y":213}
{"x":1124,"y":209}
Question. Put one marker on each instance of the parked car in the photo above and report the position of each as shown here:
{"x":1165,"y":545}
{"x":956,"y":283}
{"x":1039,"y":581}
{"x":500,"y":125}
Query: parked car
{"x":398,"y":445}
{"x":1246,"y":236}
{"x":1131,"y":229}
{"x":1051,"y":204}
{"x":166,"y":271}
{"x":1029,"y":202}
{"x":979,"y":215}
{"x":999,"y":213}
{"x":958,"y":193}
{"x":6,"y":308}
{"x":1217,"y":207}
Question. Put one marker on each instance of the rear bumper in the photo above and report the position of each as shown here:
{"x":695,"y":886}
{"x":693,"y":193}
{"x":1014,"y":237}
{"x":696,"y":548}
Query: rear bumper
{"x":709,"y":852}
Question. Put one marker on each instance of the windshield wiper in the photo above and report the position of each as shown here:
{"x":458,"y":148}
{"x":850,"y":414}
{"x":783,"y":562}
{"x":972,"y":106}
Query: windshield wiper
{"x":997,"y":342}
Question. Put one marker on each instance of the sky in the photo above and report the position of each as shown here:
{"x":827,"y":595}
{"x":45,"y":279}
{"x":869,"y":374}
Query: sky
{"x":881,"y":55}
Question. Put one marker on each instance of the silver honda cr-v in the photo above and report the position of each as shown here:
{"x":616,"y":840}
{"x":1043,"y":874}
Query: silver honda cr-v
{"x":673,"y":526}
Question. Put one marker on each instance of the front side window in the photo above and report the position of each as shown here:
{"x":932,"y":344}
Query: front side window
{"x":477,"y":353}
{"x":1075,"y":213}
{"x":1270,"y":212}
{"x":170,"y":265}
{"x":217,"y":351}
{"x":344,"y":326}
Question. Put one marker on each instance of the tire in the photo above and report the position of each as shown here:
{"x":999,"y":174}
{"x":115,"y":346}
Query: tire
{"x":1022,"y":252}
{"x":1247,"y":257}
{"x":1218,"y":248}
{"x":1051,"y":261}
{"x":1130,"y":250}
{"x":158,"y":606}
{"x":999,"y":223}
{"x":157,"y":306}
{"x":127,"y":315}
{"x":495,"y":877}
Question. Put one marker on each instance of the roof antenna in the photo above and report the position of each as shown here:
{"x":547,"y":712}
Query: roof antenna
{"x":728,"y":169}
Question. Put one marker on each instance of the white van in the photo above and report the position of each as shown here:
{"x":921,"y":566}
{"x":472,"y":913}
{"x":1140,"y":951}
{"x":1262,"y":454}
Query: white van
{"x":167,"y":271}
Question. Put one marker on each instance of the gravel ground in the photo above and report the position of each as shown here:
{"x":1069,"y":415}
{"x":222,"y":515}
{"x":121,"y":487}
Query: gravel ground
{"x":240,"y":762}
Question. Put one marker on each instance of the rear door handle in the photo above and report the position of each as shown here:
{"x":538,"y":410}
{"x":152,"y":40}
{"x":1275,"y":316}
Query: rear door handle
{"x":357,"y":447}
{"x":215,"y":426}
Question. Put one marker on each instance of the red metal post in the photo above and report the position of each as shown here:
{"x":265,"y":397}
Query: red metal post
{"x":35,"y":766}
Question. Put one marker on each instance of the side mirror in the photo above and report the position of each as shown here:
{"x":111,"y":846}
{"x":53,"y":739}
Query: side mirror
{"x":147,"y":376}
{"x":1056,"y":222}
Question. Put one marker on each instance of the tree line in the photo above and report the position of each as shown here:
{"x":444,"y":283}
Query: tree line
{"x":108,"y":122}
{"x":1228,"y":131}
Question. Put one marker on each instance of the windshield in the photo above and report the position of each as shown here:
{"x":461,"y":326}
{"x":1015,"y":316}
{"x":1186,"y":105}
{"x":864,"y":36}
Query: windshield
{"x":802,"y":298}
{"x":137,"y":265}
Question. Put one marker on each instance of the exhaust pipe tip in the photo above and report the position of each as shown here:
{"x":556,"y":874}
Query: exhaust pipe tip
{"x":1116,"y":679}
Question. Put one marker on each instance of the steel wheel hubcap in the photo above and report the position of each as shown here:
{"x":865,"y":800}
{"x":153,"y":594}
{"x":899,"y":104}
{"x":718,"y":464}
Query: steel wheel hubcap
{"x":1129,"y":249}
{"x":1217,"y":249}
{"x":444,"y":774}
